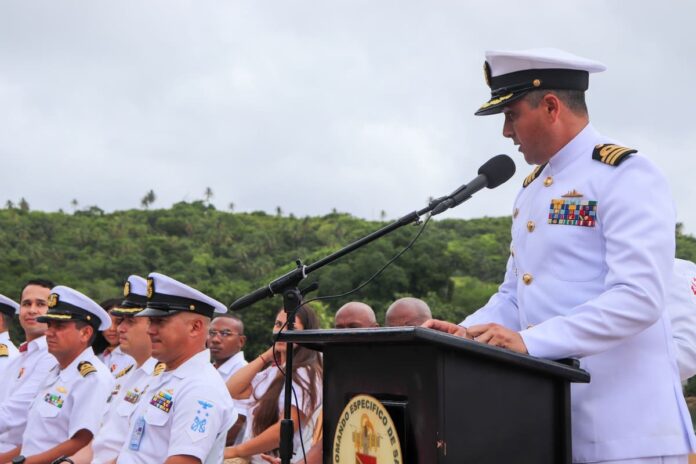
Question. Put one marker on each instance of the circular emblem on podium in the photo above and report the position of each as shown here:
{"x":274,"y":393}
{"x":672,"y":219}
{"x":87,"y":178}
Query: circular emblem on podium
{"x":365,"y":434}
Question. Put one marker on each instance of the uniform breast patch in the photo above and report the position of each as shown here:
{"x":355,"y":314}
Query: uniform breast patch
{"x":573,"y":212}
{"x":162,"y":400}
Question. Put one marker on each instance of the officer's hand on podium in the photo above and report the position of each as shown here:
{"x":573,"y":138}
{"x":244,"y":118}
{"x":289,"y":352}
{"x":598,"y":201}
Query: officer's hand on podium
{"x":497,"y":335}
{"x":446,"y":327}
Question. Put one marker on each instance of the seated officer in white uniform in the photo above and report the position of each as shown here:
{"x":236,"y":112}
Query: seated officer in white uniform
{"x":187,"y":411}
{"x":8,"y":350}
{"x":591,"y":257}
{"x":65,"y":414}
{"x":681,"y":306}
{"x":113,"y":356}
{"x":27,"y":371}
{"x":131,"y":384}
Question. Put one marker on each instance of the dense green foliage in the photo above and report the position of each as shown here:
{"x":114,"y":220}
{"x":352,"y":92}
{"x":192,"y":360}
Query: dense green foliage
{"x":455,"y":265}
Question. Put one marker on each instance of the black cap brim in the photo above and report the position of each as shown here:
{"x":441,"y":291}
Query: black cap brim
{"x":496,"y":105}
{"x":152,"y":312}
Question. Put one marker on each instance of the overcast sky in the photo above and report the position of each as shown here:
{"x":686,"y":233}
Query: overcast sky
{"x":361,"y":106}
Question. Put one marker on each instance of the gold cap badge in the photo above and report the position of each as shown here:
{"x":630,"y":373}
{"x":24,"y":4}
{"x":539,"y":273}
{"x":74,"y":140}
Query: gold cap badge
{"x":126,"y":288}
{"x":53,"y":300}
{"x":150,"y":287}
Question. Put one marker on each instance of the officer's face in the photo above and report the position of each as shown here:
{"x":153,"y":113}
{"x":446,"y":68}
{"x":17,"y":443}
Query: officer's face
{"x":528,"y":127}
{"x":225,"y":338}
{"x":32,"y":305}
{"x":174,"y":338}
{"x":110,"y":334}
{"x":132,"y":334}
{"x":65,"y":340}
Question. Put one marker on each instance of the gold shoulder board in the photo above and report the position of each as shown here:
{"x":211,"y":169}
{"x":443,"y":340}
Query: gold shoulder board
{"x":4,"y":351}
{"x":159,"y":368}
{"x":86,"y":368}
{"x":613,"y":155}
{"x":535,"y":173}
{"x":124,"y":371}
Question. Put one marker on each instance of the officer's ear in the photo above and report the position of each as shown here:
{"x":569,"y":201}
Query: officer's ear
{"x":551,"y":105}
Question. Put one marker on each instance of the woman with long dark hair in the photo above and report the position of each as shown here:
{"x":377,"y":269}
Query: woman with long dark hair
{"x":260,"y":386}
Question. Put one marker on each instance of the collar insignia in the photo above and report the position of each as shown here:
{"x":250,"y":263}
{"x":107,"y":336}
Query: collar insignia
{"x":124,"y":371}
{"x":573,"y":194}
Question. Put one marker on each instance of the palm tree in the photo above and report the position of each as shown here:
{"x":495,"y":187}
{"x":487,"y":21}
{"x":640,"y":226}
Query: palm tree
{"x":23,"y":204}
{"x":148,"y":199}
{"x":74,"y":204}
{"x":208,"y":195}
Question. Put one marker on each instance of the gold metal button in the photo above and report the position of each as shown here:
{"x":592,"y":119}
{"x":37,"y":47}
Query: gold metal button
{"x":536,"y":82}
{"x":515,"y":213}
{"x":527,"y":278}
{"x":548,"y":181}
{"x":531,"y":226}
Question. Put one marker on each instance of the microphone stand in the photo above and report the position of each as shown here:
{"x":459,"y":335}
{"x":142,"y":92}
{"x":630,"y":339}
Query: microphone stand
{"x":287,"y":285}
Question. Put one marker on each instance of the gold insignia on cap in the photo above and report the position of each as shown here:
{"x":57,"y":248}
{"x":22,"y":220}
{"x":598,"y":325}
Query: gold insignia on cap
{"x":495,"y":101}
{"x":159,"y":368}
{"x":4,"y":350}
{"x":126,"y":288}
{"x":53,"y":300}
{"x":536,"y":82}
{"x":548,"y":182}
{"x":86,"y":368}
{"x":613,"y":155}
{"x":150,"y":287}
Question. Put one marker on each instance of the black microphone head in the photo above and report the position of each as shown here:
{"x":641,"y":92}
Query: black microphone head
{"x":497,"y":170}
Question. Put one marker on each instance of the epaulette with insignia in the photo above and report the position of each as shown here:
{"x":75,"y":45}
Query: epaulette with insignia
{"x":535,"y":173}
{"x":86,"y":368}
{"x":159,"y":368}
{"x":4,"y":350}
{"x":613,"y":155}
{"x":124,"y":371}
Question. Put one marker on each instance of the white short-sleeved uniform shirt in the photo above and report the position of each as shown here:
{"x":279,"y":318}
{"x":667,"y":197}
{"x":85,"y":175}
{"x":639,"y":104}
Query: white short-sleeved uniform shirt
{"x":70,"y":400}
{"x":187,"y":411}
{"x":117,"y":361}
{"x":7,"y":351}
{"x":129,"y":389}
{"x":260,"y":384}
{"x":20,"y":383}
{"x":232,"y":365}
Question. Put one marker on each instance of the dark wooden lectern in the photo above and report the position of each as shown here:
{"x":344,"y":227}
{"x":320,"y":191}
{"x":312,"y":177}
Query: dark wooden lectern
{"x":452,"y":400}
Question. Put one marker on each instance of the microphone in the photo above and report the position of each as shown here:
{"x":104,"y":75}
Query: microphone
{"x":492,"y":173}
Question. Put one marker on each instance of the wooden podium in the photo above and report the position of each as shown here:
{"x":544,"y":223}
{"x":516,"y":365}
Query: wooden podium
{"x":452,"y":400}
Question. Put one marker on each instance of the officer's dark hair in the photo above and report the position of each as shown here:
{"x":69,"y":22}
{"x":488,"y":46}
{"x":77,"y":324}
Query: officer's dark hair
{"x":45,"y":283}
{"x":234,"y":317}
{"x":81,"y":324}
{"x":573,"y":99}
{"x":111,"y":303}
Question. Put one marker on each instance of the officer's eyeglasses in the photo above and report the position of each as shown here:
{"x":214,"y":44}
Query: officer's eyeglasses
{"x":221,"y":333}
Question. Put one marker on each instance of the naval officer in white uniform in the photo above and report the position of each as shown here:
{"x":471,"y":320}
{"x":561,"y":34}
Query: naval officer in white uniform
{"x":65,"y":414}
{"x":591,"y":256}
{"x":186,"y":412}
{"x":8,"y":309}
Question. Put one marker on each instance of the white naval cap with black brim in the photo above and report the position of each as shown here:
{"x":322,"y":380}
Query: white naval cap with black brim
{"x":8,"y":306}
{"x":67,"y":304}
{"x":167,"y":296}
{"x":511,"y":74}
{"x":135,"y":297}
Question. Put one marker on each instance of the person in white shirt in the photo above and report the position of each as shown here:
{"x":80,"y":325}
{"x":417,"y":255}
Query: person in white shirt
{"x":680,"y":300}
{"x":260,"y":387}
{"x":113,"y":356}
{"x":186,"y":412}
{"x":26,"y":372}
{"x":8,"y":309}
{"x":65,"y":414}
{"x":225,"y":341}
{"x":131,"y":384}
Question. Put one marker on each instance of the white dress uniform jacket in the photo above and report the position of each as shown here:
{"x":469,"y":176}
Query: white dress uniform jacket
{"x":7,"y":351}
{"x":594,"y":290}
{"x":70,"y":400}
{"x":187,"y":411}
{"x":681,"y":306}
{"x":128,"y":390}
{"x":116,"y":360}
{"x":18,"y":388}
